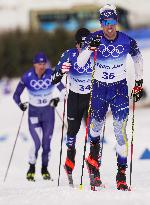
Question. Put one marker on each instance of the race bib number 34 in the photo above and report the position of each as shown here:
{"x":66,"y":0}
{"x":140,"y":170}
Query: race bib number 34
{"x":83,"y":88}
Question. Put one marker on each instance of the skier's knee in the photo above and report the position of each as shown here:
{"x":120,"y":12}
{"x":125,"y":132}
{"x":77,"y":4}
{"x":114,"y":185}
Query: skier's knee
{"x":37,"y":146}
{"x":95,"y":129}
{"x":46,"y":149}
{"x":120,"y":132}
{"x":73,"y":130}
{"x":71,"y":141}
{"x":122,"y":150}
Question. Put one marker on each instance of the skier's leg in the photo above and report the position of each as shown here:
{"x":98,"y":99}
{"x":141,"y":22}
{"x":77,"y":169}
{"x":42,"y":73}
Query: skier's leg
{"x":86,"y":99}
{"x":120,"y":111}
{"x":74,"y":117}
{"x":35,"y":131}
{"x":48,"y":119}
{"x":99,"y":107}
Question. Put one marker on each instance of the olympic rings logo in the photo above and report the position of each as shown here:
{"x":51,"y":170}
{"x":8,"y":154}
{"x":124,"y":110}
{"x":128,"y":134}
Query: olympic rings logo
{"x":40,"y":84}
{"x":86,"y":69}
{"x":111,"y":50}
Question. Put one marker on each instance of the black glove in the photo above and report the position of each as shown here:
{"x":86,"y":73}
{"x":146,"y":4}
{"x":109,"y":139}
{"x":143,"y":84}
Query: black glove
{"x":137,"y":91}
{"x":95,"y":42}
{"x":23,"y":106}
{"x":54,"y":102}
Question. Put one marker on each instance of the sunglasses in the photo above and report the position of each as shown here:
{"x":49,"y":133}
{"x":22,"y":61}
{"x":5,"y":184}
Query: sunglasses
{"x":108,"y":22}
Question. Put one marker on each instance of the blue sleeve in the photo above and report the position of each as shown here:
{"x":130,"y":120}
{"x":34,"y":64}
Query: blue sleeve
{"x":60,"y":86}
{"x":134,"y":49}
{"x":64,"y":58}
{"x":57,"y":74}
{"x":18,"y":91}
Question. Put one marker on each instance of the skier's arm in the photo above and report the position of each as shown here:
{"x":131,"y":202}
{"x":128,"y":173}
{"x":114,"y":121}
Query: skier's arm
{"x":84,"y":57}
{"x":18,"y":92}
{"x":137,"y":91}
{"x":138,"y":65}
{"x":58,"y":74}
{"x":137,"y":59}
{"x":92,"y":43}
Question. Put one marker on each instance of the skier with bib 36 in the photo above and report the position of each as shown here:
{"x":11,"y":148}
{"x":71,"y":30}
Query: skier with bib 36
{"x":41,"y":116}
{"x":109,"y":88}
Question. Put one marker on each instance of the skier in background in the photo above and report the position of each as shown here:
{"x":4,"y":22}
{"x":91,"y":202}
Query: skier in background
{"x":109,"y":88}
{"x":78,"y":97}
{"x":38,"y":81}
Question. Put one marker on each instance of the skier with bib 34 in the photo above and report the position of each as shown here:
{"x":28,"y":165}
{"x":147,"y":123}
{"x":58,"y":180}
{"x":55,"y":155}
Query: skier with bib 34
{"x":78,"y":97}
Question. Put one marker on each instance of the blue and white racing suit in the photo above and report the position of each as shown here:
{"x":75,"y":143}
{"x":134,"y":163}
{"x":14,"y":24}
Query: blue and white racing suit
{"x":41,"y":115}
{"x":109,"y":86}
{"x":79,"y":92}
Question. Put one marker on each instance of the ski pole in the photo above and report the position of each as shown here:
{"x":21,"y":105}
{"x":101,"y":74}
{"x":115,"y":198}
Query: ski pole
{"x":88,"y":119}
{"x":62,"y":134}
{"x":60,"y":118}
{"x":131,"y":160}
{"x":13,"y":147}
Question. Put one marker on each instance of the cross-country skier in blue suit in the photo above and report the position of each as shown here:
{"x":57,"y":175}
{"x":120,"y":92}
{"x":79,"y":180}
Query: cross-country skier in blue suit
{"x":38,"y":81}
{"x":109,"y":88}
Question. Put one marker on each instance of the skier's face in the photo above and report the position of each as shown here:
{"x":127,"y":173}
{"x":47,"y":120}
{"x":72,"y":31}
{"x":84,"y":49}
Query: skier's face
{"x":109,"y":28}
{"x":40,"y":68}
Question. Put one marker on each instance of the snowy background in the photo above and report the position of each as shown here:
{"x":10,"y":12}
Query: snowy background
{"x":16,"y":190}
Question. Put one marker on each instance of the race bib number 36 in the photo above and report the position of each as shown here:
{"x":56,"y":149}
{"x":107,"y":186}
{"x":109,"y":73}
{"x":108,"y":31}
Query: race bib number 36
{"x":108,"y":75}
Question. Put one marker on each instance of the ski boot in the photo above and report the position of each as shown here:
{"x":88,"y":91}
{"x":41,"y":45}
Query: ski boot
{"x":31,"y":173}
{"x":121,"y":178}
{"x":69,"y":164}
{"x":69,"y":175}
{"x":45,"y":173}
{"x":93,"y":164}
{"x":94,"y":175}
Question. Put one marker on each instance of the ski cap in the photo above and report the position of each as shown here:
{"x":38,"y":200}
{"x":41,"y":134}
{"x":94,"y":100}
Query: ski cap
{"x":40,"y":58}
{"x":108,"y":11}
{"x":81,"y":34}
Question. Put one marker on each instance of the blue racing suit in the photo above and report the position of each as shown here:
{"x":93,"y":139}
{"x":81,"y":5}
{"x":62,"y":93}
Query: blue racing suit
{"x":78,"y":99}
{"x":41,"y":115}
{"x":109,"y":86}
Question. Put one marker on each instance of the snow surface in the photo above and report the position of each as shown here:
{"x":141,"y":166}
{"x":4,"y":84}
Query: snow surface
{"x":16,"y":190}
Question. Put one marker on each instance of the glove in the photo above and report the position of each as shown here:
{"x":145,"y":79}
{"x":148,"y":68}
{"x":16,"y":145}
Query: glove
{"x":137,"y":91}
{"x":54,"y":102}
{"x":65,"y":67}
{"x":23,"y":106}
{"x":95,"y":43}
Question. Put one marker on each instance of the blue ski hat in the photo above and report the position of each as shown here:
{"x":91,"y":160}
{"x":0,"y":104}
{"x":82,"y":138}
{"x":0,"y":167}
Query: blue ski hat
{"x":40,"y":58}
{"x":108,"y":11}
